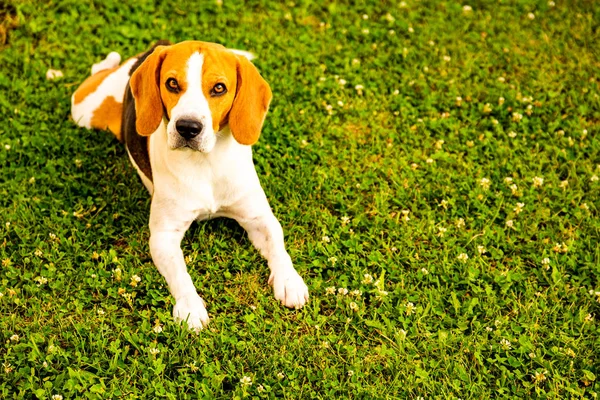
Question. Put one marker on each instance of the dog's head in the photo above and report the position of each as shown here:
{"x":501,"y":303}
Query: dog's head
{"x":200,"y":88}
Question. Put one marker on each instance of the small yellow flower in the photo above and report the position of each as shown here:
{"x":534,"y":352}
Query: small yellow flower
{"x":330,"y":290}
{"x":367,"y":279}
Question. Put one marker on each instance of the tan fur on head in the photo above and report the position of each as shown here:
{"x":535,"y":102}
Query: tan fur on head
{"x":145,"y":87}
{"x":251,"y":103}
{"x":244,"y":107}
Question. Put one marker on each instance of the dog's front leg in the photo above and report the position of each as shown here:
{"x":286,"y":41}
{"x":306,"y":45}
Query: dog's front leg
{"x":166,"y":233}
{"x":264,"y":231}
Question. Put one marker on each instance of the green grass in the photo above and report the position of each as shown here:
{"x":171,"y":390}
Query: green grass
{"x":335,"y":162}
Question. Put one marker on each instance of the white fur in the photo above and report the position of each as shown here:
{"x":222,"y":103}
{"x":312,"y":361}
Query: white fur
{"x":190,"y":185}
{"x":113,"y":85}
{"x":193,"y":105}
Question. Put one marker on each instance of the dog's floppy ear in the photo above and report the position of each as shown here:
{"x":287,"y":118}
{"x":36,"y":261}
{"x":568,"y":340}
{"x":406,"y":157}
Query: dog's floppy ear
{"x":144,"y":83}
{"x":251,"y":103}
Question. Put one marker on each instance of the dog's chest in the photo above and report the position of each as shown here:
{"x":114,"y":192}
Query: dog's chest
{"x":202,"y":184}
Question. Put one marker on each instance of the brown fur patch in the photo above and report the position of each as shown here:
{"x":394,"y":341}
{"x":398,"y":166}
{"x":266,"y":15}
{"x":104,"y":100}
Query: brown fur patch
{"x":108,"y":116}
{"x":91,"y":84}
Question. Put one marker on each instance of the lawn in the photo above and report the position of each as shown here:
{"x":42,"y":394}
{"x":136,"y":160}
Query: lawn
{"x":435,"y":167}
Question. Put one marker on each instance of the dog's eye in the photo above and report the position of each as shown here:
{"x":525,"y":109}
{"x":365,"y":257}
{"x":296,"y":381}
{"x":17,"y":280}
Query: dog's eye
{"x":172,"y":85}
{"x":218,"y":90}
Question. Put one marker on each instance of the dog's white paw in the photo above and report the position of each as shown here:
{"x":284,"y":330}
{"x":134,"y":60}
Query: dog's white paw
{"x":289,"y":288}
{"x":192,"y":310}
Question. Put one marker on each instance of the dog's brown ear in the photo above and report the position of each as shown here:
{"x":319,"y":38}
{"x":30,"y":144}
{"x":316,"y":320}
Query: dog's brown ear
{"x":144,"y":83}
{"x":251,"y":103}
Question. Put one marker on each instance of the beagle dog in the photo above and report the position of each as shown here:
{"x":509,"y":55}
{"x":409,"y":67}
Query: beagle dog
{"x":188,"y":114}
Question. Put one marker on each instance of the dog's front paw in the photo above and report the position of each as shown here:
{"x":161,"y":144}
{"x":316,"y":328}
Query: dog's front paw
{"x":191,"y":309}
{"x":289,"y":288}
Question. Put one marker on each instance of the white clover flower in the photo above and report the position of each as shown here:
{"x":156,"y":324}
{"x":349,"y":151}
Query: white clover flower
{"x":508,"y":180}
{"x":539,"y":377}
{"x":57,"y":397}
{"x":510,"y":223}
{"x":501,"y":79}
{"x":517,"y":117}
{"x":438,"y":144}
{"x":246,"y":381}
{"x":354,"y":306}
{"x":424,"y":271}
{"x":365,"y":16}
{"x":260,"y":388}
{"x":467,"y":9}
{"x":355,"y":293}
{"x":410,"y":29}
{"x":389,"y":17}
{"x":14,"y":338}
{"x":100,"y":311}
{"x":41,"y":280}
{"x":500,"y":101}
{"x":330,"y":290}
{"x":463,"y":257}
{"x":487,"y":108}
{"x":512,"y":134}
{"x":332,"y":260}
{"x":157,"y":328}
{"x":405,"y":216}
{"x":531,"y":16}
{"x":7,"y":146}
{"x":594,"y":178}
{"x":350,"y":373}
{"x":340,"y":103}
{"x":485,"y":183}
{"x":345,"y":220}
{"x":342,"y":82}
{"x":38,"y":253}
{"x":192,"y":366}
{"x":429,"y":161}
{"x":551,"y":3}
{"x":538,"y":181}
{"x":414,"y":166}
{"x":367,"y":279}
{"x":325,"y":239}
{"x":588,"y":318}
{"x":460,"y":223}
{"x":563,"y":184}
{"x":45,"y":364}
{"x":518,"y":208}
{"x":280,"y":375}
{"x":135,"y":280}
{"x":505,"y":343}
{"x":481,"y":249}
{"x":153,"y":350}
{"x":489,"y":328}
{"x":514,"y":189}
{"x":442,"y":231}
{"x":343,"y":291}
{"x":409,"y":308}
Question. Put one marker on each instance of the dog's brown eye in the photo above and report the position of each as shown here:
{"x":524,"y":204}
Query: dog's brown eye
{"x":172,"y":85}
{"x":218,"y":90}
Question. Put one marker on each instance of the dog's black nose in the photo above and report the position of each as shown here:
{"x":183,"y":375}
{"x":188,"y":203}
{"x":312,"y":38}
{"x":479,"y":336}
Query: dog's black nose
{"x":188,"y":128}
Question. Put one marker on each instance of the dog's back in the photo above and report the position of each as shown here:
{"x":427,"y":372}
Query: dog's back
{"x":98,"y":101}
